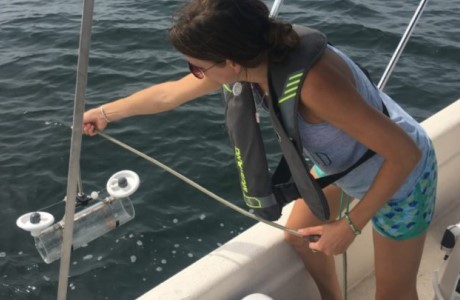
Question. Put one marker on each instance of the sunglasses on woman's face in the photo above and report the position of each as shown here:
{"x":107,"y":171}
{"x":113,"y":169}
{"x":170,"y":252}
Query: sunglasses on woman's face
{"x":198,"y":72}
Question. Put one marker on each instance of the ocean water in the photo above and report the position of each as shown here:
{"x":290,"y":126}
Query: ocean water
{"x":175,"y":224}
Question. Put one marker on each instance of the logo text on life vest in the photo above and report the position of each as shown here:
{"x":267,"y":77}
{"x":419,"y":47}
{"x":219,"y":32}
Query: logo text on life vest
{"x":239,"y":164}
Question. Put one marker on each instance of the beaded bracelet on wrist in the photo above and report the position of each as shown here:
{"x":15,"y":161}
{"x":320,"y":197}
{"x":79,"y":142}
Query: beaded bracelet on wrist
{"x":356,"y":231}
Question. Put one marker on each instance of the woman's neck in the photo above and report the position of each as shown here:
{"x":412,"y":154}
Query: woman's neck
{"x":258,"y":75}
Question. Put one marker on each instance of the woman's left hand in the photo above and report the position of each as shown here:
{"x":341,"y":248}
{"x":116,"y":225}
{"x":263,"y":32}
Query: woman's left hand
{"x":334,"y":237}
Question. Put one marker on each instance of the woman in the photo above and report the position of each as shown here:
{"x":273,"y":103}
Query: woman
{"x":340,"y":117}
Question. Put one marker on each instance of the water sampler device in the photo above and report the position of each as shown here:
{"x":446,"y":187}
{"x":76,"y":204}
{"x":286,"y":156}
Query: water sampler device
{"x":97,"y":216}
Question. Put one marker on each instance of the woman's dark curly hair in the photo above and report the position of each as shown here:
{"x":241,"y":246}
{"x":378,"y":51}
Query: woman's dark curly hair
{"x":239,"y":30}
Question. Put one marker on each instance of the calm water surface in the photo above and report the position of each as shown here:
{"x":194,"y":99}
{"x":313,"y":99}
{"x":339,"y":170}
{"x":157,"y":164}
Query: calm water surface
{"x":175,"y":225}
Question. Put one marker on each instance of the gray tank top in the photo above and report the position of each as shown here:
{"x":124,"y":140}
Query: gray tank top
{"x":333,"y":151}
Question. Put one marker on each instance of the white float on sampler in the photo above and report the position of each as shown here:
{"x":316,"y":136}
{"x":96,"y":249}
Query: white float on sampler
{"x":101,"y":216}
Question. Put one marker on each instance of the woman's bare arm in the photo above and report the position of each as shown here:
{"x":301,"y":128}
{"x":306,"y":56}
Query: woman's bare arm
{"x":157,"y":98}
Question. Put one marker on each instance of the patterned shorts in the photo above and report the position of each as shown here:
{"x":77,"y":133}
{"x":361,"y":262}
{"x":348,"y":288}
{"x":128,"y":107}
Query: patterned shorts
{"x":405,"y":218}
{"x":401,"y":219}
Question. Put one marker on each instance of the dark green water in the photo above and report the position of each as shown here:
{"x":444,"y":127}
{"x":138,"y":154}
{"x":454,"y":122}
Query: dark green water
{"x":175,"y":225}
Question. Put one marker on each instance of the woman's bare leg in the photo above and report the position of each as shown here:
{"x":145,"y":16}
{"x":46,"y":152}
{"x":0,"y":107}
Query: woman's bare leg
{"x":396,"y":267}
{"x":320,"y":266}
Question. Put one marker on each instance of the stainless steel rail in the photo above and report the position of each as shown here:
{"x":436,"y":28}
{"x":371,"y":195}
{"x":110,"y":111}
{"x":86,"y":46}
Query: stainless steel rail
{"x":75,"y":146}
{"x":402,"y":44}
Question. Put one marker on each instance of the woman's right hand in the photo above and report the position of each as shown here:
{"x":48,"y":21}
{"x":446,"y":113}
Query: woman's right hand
{"x":93,"y":121}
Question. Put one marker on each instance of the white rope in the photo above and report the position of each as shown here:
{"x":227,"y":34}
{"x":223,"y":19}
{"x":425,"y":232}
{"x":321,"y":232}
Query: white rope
{"x":199,"y":187}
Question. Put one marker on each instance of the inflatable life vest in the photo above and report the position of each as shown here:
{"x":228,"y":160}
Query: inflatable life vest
{"x":264,"y":192}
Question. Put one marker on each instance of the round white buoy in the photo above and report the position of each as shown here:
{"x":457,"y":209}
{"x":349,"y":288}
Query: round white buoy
{"x":35,"y":222}
{"x":257,"y":296}
{"x":123,"y":184}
